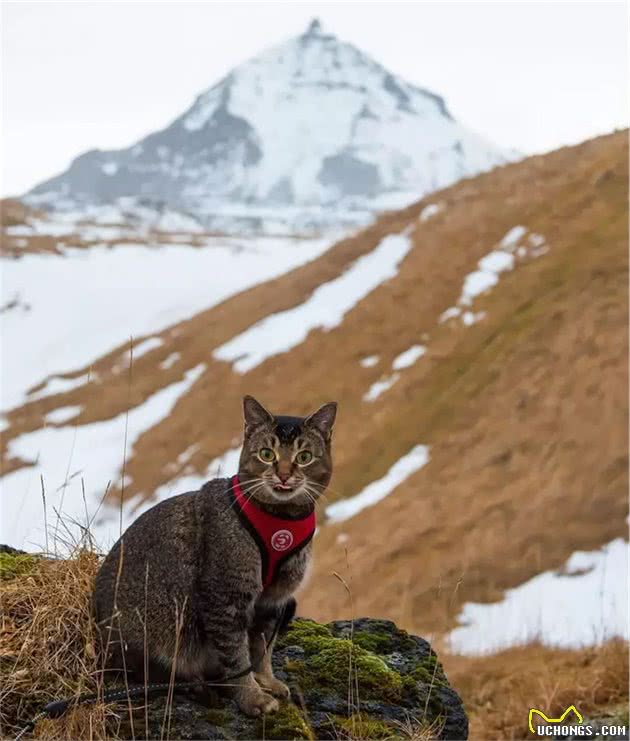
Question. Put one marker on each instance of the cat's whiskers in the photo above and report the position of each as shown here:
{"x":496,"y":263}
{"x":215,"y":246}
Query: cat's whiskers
{"x":249,"y":488}
{"x":312,"y":495}
{"x":325,"y":488}
{"x":253,"y":492}
{"x":313,"y":492}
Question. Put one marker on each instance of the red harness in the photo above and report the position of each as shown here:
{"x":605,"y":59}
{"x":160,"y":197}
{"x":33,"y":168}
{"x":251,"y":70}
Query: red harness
{"x":277,"y":538}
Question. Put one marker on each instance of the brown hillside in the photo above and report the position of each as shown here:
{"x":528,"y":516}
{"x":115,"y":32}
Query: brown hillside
{"x":524,"y":412}
{"x":498,"y":690}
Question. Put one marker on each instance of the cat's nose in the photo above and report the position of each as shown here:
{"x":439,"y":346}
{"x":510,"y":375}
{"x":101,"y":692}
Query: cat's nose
{"x":284,"y":476}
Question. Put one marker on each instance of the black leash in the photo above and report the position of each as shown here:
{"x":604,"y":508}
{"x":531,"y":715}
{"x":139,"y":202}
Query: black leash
{"x":57,"y":708}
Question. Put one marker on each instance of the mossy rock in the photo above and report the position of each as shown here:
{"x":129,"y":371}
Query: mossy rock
{"x":360,"y":680}
{"x":15,"y":564}
{"x":287,"y":723}
{"x":371,"y":671}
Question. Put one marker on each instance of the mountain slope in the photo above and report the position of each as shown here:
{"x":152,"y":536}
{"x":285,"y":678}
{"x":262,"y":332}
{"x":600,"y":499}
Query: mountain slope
{"x":517,"y":297}
{"x":313,"y":122}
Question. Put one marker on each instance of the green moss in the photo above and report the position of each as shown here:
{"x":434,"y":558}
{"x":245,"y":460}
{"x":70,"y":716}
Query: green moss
{"x":340,"y":659}
{"x":329,"y":662}
{"x":377,"y":643}
{"x":218,"y":716}
{"x":308,"y":635}
{"x":14,"y":565}
{"x":421,"y":674}
{"x":360,"y":726}
{"x":430,"y":672}
{"x":287,"y":723}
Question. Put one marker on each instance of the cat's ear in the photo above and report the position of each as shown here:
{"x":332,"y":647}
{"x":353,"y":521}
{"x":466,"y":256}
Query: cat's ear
{"x":323,"y":419}
{"x":255,"y":413}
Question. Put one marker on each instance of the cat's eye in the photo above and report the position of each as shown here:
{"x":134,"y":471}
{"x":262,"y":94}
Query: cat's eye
{"x":304,"y":457}
{"x":267,"y":455}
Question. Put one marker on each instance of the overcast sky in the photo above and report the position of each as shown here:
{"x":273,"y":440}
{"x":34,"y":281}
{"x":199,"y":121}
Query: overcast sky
{"x":86,"y":75}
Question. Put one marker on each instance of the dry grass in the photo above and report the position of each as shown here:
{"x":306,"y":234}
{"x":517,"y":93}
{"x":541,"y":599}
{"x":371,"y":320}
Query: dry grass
{"x":498,"y":690}
{"x":48,"y":646}
{"x":414,"y":729}
{"x":16,"y":213}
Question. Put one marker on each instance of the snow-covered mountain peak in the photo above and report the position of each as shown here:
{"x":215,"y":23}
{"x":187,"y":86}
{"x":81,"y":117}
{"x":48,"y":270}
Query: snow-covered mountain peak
{"x":314,"y":29}
{"x":311,"y":123}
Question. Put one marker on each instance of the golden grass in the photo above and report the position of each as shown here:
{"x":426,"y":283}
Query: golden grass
{"x":498,"y":690}
{"x":48,"y":645}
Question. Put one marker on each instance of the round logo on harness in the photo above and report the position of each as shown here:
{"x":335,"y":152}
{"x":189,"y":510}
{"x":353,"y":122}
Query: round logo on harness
{"x":281,"y":540}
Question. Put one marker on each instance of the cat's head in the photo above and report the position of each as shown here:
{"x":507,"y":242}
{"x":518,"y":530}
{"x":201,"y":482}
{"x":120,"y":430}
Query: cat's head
{"x":286,"y":459}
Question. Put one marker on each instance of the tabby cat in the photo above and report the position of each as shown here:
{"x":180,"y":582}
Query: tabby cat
{"x":202,"y":579}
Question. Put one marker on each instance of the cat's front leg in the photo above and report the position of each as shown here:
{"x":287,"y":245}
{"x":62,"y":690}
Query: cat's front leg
{"x":228,"y":630}
{"x":252,"y":698}
{"x":261,"y":643}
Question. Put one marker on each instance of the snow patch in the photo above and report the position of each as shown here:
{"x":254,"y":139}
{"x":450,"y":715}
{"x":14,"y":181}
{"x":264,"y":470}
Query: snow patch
{"x":413,"y":461}
{"x":430,"y":210}
{"x":497,"y":262}
{"x":380,"y":387}
{"x":142,"y":348}
{"x":475,"y":284}
{"x":450,"y":313}
{"x":19,"y":230}
{"x":223,"y":466}
{"x":536,"y":240}
{"x":369,"y":361}
{"x":539,"y":251}
{"x":66,"y":456}
{"x":469,"y":317}
{"x":57,"y":385}
{"x":109,"y":168}
{"x":62,"y":415}
{"x":170,"y":361}
{"x":513,"y":237}
{"x":490,"y":267}
{"x":324,"y":309}
{"x":583,"y":604}
{"x":407,"y":358}
{"x":86,"y":302}
{"x":175,"y":221}
{"x":184,"y":457}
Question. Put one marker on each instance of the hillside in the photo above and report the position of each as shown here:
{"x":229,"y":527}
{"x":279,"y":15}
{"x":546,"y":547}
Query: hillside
{"x":308,"y":133}
{"x":520,"y":398}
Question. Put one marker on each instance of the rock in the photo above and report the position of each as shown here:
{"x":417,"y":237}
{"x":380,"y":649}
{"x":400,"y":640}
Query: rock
{"x":360,"y":680}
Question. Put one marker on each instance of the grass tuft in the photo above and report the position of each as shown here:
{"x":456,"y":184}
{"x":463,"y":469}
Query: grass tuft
{"x":48,"y":645}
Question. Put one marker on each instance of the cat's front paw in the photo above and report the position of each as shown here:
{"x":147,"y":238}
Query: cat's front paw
{"x":274,"y":686}
{"x":253,"y":701}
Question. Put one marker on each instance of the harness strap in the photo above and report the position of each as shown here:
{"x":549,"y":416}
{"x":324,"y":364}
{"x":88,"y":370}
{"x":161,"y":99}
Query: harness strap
{"x":277,"y":538}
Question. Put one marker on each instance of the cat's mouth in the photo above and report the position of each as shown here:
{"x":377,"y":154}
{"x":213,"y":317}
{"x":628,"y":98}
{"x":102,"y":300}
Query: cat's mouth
{"x":283,"y":487}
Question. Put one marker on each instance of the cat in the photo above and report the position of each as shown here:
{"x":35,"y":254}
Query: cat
{"x":198,"y":582}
